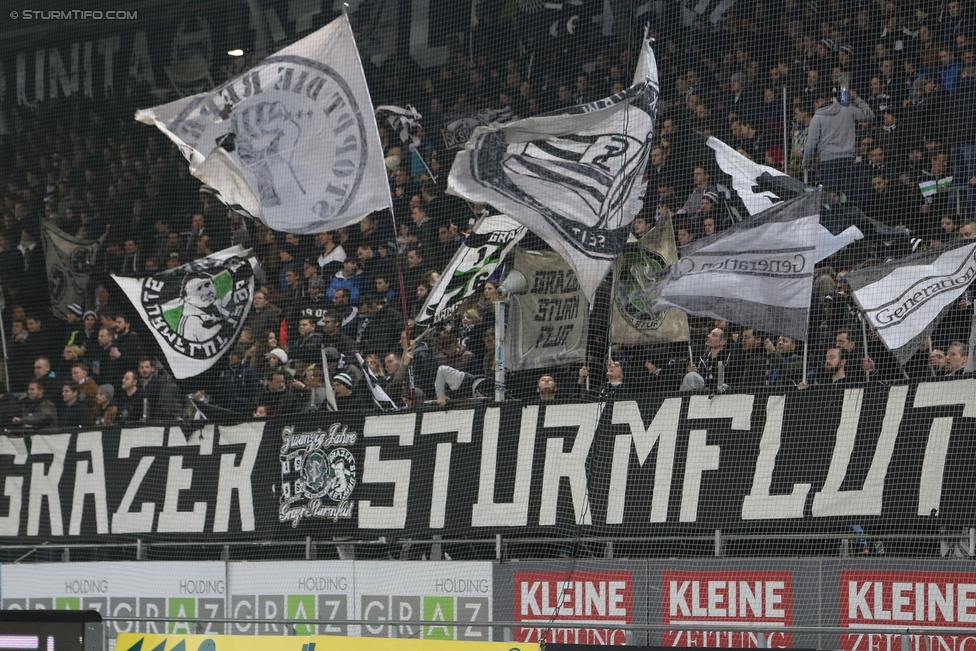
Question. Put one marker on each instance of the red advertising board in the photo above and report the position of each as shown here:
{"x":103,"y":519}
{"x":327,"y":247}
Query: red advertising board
{"x":592,"y":601}
{"x":900,"y":600}
{"x":741,"y":599}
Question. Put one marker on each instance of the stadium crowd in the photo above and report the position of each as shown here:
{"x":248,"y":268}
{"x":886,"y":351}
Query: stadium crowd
{"x":879,"y":101}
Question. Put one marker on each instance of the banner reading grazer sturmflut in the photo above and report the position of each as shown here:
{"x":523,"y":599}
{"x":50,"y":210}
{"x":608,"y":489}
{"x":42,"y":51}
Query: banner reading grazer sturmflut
{"x":196,"y":311}
{"x":483,"y":250}
{"x":632,"y":321}
{"x":551,"y":319}
{"x":573,"y":176}
{"x":292,"y":141}
{"x":904,"y":299}
{"x":69,"y":262}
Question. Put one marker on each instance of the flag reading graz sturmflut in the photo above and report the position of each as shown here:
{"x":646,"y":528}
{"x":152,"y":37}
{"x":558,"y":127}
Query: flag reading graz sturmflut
{"x":195,"y":312}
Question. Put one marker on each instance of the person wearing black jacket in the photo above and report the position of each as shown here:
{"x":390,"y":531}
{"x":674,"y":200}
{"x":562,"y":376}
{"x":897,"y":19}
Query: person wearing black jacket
{"x":378,"y":327}
{"x":614,"y":388}
{"x":37,"y":411}
{"x":348,"y":397}
{"x":128,"y":347}
{"x":239,"y":386}
{"x":74,"y":410}
{"x":129,"y":400}
{"x":278,"y":397}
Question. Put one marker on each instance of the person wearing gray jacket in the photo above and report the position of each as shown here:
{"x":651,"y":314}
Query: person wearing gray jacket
{"x":833,"y":135}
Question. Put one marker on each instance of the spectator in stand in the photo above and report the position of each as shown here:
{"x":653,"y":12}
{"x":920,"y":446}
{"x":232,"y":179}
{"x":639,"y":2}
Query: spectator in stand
{"x":128,"y":348}
{"x":308,"y":345}
{"x":613,"y":388}
{"x":703,"y":184}
{"x":378,"y":326}
{"x":451,"y":383}
{"x":164,"y":397}
{"x":264,"y":317}
{"x":74,"y":410}
{"x":546,"y":388}
{"x":79,"y":375}
{"x":104,"y":411}
{"x":349,"y":397}
{"x":956,"y":358}
{"x":129,"y":402}
{"x":239,"y":386}
{"x":786,"y":365}
{"x":37,"y":412}
{"x":834,"y":370}
{"x":832,"y":136}
{"x":413,"y":275}
{"x":105,"y":367}
{"x":715,"y":366}
{"x":278,"y":396}
{"x":348,"y":279}
{"x":312,"y":391}
{"x":42,"y":369}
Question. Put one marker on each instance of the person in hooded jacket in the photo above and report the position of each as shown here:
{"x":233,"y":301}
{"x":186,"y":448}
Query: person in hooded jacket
{"x":832,"y":135}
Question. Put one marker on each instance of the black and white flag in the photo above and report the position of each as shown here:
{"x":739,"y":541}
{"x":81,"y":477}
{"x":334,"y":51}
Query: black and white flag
{"x":457,"y":126}
{"x":380,"y":397}
{"x":292,"y":141}
{"x":475,"y":261}
{"x":712,"y":10}
{"x":749,"y":188}
{"x":573,"y":176}
{"x":195,"y":312}
{"x":402,"y":120}
{"x":758,"y":273}
{"x":69,"y":265}
{"x":904,"y":300}
{"x":760,"y":187}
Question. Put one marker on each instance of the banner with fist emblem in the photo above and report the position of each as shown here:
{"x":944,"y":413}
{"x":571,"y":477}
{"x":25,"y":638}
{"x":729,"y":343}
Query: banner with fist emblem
{"x":68,"y":261}
{"x":195,"y":312}
{"x":292,"y":141}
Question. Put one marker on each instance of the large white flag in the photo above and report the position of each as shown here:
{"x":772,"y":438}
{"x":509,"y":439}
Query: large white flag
{"x":293,"y":141}
{"x":903,"y":300}
{"x":195,"y":312}
{"x":758,"y":273}
{"x":573,"y":176}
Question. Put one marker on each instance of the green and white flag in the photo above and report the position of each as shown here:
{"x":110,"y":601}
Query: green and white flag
{"x":195,"y":312}
{"x":632,"y":319}
{"x":929,"y":188}
{"x":475,"y":261}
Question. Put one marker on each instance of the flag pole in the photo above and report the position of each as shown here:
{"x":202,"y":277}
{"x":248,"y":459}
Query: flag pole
{"x":864,"y":334}
{"x":329,"y":393}
{"x":806,"y":351}
{"x":3,"y":341}
{"x":396,"y":257}
{"x":786,"y":142}
{"x":499,"y":351}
